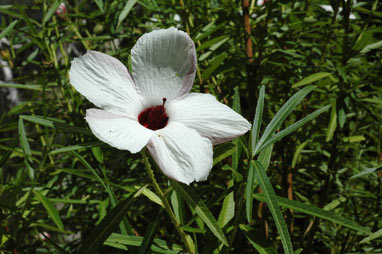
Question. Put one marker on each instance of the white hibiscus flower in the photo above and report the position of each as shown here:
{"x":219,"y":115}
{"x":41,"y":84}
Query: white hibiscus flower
{"x":153,"y":106}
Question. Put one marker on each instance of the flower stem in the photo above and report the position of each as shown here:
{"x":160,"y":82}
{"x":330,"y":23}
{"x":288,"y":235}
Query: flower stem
{"x":166,"y":204}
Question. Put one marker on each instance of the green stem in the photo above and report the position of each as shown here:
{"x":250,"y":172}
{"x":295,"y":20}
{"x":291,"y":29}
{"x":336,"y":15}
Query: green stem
{"x":165,"y":202}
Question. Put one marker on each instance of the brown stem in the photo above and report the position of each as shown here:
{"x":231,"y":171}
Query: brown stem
{"x":247,"y":28}
{"x":290,"y":197}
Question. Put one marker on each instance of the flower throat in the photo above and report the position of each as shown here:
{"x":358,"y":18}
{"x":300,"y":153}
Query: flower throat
{"x":154,"y":118}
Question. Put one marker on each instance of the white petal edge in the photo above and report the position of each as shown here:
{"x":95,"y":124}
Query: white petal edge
{"x":181,"y":153}
{"x":105,"y":81}
{"x":118,"y":131}
{"x":209,"y":117}
{"x":163,"y":65}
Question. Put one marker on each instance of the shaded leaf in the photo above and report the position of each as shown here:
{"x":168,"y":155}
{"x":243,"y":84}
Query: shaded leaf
{"x":274,"y":208}
{"x":52,"y":212}
{"x":311,"y":78}
{"x":8,"y":29}
{"x":109,"y":224}
{"x":129,"y":4}
{"x":194,"y":201}
{"x":316,"y":211}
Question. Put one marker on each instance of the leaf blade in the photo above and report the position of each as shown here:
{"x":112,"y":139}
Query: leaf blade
{"x":109,"y":223}
{"x":282,"y":114}
{"x":312,"y":78}
{"x":8,"y":29}
{"x":128,"y":6}
{"x":316,"y":211}
{"x":273,"y":207}
{"x":52,"y":212}
{"x":201,"y":209}
{"x":291,"y":128}
{"x":257,"y":119}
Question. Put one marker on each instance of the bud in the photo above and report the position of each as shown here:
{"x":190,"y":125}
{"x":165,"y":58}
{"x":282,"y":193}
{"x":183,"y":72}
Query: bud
{"x":61,"y":10}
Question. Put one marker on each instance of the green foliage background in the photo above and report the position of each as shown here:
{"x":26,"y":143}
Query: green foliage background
{"x":57,"y":179}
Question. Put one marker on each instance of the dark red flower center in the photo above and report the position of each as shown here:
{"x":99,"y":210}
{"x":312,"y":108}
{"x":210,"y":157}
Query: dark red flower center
{"x":154,"y":118}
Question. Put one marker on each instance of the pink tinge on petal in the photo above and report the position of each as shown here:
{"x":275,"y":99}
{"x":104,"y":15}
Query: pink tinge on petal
{"x":163,"y":65}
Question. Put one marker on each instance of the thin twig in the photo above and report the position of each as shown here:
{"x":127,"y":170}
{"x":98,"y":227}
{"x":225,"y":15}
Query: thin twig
{"x":165,"y":202}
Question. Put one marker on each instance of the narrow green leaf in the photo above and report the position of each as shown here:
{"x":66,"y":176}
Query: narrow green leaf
{"x":25,"y":86}
{"x":372,"y":46}
{"x":228,"y":208}
{"x":282,"y":114}
{"x":109,"y":224}
{"x":223,"y":151}
{"x":209,"y":29}
{"x":291,"y":128}
{"x":249,"y":191}
{"x":236,"y":100}
{"x":98,"y":154}
{"x":212,"y":42}
{"x":194,"y":201}
{"x":150,"y":234}
{"x":265,"y":156}
{"x":258,"y":240}
{"x":159,"y":246}
{"x":4,"y":158}
{"x":30,"y":169}
{"x":367,"y":171}
{"x":23,"y":139}
{"x":214,"y":64}
{"x":10,"y":13}
{"x":129,"y":4}
{"x":332,"y":123}
{"x":274,"y":208}
{"x":354,"y":139}
{"x":297,"y":153}
{"x":8,"y":29}
{"x":152,"y":196}
{"x":124,"y":225}
{"x":315,"y":211}
{"x":99,"y":3}
{"x":341,"y":117}
{"x":51,"y":11}
{"x":52,"y":212}
{"x":89,"y":167}
{"x":194,"y":230}
{"x":178,"y":206}
{"x":56,"y":124}
{"x":257,"y":119}
{"x":49,"y":227}
{"x":372,"y":236}
{"x":238,"y":146}
{"x":76,"y":147}
{"x":265,"y":159}
{"x":312,"y":78}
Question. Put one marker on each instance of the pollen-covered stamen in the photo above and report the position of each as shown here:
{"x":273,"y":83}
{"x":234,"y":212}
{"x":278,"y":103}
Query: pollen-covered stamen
{"x":154,"y":118}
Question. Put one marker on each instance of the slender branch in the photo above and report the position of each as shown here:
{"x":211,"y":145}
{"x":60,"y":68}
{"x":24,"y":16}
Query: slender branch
{"x":165,"y":202}
{"x":247,"y":28}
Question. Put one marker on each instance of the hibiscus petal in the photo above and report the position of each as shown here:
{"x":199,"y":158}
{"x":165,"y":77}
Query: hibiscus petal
{"x":209,"y":117}
{"x":163,"y":65}
{"x":105,"y":81}
{"x":118,"y":131}
{"x":181,"y":153}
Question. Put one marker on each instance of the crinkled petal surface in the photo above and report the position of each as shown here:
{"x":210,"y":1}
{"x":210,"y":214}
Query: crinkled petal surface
{"x":118,"y":131}
{"x":209,"y":117}
{"x":181,"y":153}
{"x":105,"y":81}
{"x":163,"y":65}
